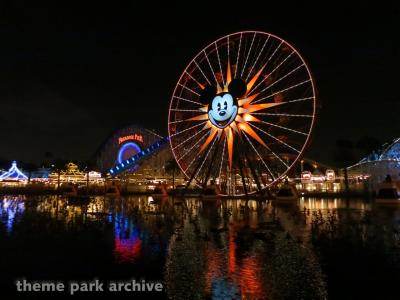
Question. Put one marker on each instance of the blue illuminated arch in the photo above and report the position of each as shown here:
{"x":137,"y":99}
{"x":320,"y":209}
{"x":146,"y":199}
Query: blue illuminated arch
{"x":393,"y":151}
{"x":13,"y":173}
{"x":125,"y":147}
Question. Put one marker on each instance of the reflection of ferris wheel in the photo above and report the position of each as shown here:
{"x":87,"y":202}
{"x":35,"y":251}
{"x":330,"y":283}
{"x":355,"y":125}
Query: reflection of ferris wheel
{"x":242,"y":112}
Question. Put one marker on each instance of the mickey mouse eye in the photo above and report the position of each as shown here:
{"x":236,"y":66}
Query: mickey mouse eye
{"x":225,"y":105}
{"x":219,"y":106}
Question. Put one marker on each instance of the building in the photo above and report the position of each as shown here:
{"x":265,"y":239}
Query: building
{"x":372,"y":170}
{"x":13,"y":176}
{"x":125,"y":143}
{"x":71,"y":174}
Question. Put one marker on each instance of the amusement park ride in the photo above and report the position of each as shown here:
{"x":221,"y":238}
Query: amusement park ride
{"x":241,"y":114}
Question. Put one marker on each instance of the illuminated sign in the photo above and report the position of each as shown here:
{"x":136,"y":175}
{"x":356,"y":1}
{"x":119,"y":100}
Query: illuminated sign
{"x":330,"y":175}
{"x":306,"y":176}
{"x":94,"y":174}
{"x":318,"y":178}
{"x":131,"y":137}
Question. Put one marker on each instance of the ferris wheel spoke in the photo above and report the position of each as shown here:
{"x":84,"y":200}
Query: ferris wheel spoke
{"x":284,"y":128}
{"x":283,"y":115}
{"x":191,"y":148}
{"x":237,"y":58}
{"x":273,"y":53}
{"x":273,"y":71}
{"x":278,"y":157}
{"x":194,"y":79}
{"x":211,"y":68}
{"x":190,"y":128}
{"x":281,"y":78}
{"x":222,"y":158}
{"x":282,"y":91}
{"x":190,"y":138}
{"x":187,"y":110}
{"x":219,"y":63}
{"x":204,"y":75}
{"x":228,"y":48}
{"x":189,"y":89}
{"x":276,"y":139}
{"x":190,"y":164}
{"x":258,"y":56}
{"x":298,"y":100}
{"x":205,"y":158}
{"x":176,"y":122}
{"x":188,"y":100}
{"x":194,"y":157}
{"x":259,"y":156}
{"x":289,"y":102}
{"x":248,"y":54}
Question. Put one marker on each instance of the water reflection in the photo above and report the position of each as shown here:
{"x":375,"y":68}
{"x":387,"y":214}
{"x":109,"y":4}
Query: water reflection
{"x":127,"y":241}
{"x":11,"y":207}
{"x":232,"y":249}
{"x":238,"y":249}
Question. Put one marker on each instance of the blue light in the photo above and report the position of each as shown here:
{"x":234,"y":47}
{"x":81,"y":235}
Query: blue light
{"x":124,"y":148}
{"x":13,"y":173}
{"x":140,"y":154}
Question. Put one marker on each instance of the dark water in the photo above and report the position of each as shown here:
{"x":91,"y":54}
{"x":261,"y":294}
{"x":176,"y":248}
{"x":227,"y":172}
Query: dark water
{"x":230,"y":249}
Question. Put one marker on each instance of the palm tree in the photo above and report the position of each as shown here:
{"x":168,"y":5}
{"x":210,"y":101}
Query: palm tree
{"x":344,"y":155}
{"x":48,"y":157}
{"x":59,"y":164}
{"x":171,"y":167}
{"x":30,"y":167}
{"x":89,"y":166}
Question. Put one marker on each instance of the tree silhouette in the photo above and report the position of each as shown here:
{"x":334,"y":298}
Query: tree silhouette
{"x":29,"y":167}
{"x":88,"y":165}
{"x":344,"y":154}
{"x":171,"y":167}
{"x":58,"y":166}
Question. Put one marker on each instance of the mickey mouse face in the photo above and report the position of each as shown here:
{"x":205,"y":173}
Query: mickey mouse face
{"x":223,"y":110}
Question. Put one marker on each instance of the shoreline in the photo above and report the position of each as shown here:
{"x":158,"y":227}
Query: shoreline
{"x":26,"y":191}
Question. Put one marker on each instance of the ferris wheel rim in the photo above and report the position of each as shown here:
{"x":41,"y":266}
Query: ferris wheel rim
{"x":309,"y":75}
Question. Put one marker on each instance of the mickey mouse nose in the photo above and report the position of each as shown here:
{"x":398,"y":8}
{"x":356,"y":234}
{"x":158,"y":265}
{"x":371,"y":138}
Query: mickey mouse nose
{"x":222,"y":113}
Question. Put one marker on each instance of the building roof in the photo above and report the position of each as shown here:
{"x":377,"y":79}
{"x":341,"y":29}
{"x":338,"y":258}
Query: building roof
{"x":392,"y":152}
{"x":13,"y":173}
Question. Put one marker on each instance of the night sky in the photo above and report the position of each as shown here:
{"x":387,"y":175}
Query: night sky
{"x":71,"y":74}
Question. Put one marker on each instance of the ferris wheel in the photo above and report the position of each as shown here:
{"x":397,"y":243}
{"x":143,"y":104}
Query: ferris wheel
{"x":242,"y":113}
